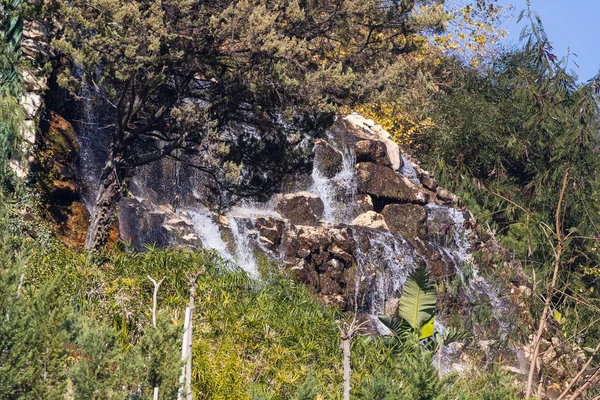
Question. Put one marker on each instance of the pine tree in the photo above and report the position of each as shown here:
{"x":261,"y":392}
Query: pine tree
{"x":237,"y":83}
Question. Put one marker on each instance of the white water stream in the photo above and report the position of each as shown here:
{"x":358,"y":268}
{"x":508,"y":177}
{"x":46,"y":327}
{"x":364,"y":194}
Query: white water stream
{"x":338,"y":192}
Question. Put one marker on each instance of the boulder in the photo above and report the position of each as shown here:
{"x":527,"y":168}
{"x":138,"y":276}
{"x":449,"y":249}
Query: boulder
{"x":405,"y":219}
{"x":372,"y":151}
{"x":439,"y":265}
{"x":270,"y":231}
{"x":301,"y":208}
{"x":376,"y":132}
{"x":327,"y":158}
{"x":446,"y":196}
{"x":383,"y":182}
{"x":370,"y":219}
{"x":429,"y":182}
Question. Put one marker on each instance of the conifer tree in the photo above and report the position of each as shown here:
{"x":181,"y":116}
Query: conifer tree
{"x":237,"y":82}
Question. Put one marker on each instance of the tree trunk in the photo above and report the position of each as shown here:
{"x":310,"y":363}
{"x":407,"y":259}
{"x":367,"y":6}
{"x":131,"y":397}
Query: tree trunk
{"x":346,"y":365}
{"x":107,"y":197}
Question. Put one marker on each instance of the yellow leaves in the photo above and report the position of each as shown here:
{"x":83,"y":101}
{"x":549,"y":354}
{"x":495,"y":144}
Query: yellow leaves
{"x":557,"y":316}
{"x":427,"y":329}
{"x":401,"y":126}
{"x":473,"y":31}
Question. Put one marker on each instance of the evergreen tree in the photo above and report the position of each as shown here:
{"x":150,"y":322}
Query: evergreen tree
{"x":238,"y":83}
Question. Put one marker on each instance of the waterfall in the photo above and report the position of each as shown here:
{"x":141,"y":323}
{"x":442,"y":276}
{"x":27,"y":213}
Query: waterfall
{"x":208,"y":232}
{"x":243,"y":250}
{"x":338,"y":191}
{"x":409,"y":171}
{"x":477,"y":288}
{"x":382,"y":269}
{"x":94,"y":140}
{"x":242,"y":232}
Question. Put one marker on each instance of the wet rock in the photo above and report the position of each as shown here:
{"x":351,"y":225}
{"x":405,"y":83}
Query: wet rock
{"x":56,"y":179}
{"x":340,"y":254}
{"x":301,"y":208}
{"x":270,"y":231}
{"x":327,"y":159}
{"x":439,"y":265}
{"x":370,"y":219}
{"x":429,"y":182}
{"x":442,"y":222}
{"x":446,"y":196}
{"x":139,"y":226}
{"x":332,"y":282}
{"x":405,"y":219}
{"x":372,"y":151}
{"x":355,"y":123}
{"x":383,"y":182}
{"x":312,"y":238}
{"x":364,"y":203}
{"x":305,"y":274}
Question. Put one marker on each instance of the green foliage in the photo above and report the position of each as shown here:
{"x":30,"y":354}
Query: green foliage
{"x":11,"y":112}
{"x":418,"y":300}
{"x":308,"y":389}
{"x":504,"y":139}
{"x":493,"y":385}
{"x":34,"y":326}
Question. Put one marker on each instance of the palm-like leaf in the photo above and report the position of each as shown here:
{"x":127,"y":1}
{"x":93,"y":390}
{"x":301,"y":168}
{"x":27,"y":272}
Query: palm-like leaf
{"x":418,"y":300}
{"x":453,"y":335}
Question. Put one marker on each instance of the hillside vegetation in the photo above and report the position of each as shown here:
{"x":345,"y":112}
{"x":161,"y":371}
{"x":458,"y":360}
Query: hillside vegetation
{"x":512,"y":132}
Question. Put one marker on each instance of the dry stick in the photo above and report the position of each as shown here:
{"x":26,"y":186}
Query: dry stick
{"x":347,"y":333}
{"x":580,"y":374}
{"x":188,"y":368}
{"x":156,"y":286}
{"x":184,"y":349}
{"x":558,"y":250}
{"x":154,"y":295}
{"x":586,"y":385}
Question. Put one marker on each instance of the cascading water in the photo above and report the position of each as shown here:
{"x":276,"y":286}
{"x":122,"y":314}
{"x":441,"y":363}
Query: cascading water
{"x":243,"y":250}
{"x":208,"y":232}
{"x":477,"y":289}
{"x":244,"y":236}
{"x":94,"y":138}
{"x":382,"y":269}
{"x":409,"y":171}
{"x":337,"y":191}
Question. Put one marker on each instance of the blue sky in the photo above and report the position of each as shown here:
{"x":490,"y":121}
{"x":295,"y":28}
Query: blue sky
{"x":570,"y":25}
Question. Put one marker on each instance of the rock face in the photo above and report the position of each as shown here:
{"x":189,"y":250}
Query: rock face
{"x":370,"y":219}
{"x":302,"y":208}
{"x":353,"y":233}
{"x":405,"y":219}
{"x":56,"y":178}
{"x":328,"y":159}
{"x":372,"y":151}
{"x":36,"y":49}
{"x":382,"y":182}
